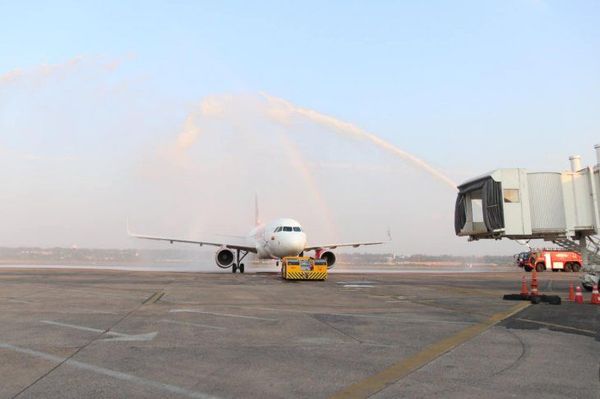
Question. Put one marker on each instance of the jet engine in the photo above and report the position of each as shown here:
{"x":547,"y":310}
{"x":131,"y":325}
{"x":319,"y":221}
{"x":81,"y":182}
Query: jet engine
{"x":224,"y":258}
{"x":328,"y":256}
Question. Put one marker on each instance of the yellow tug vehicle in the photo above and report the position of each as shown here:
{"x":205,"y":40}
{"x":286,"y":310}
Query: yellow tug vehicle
{"x":303,"y":268}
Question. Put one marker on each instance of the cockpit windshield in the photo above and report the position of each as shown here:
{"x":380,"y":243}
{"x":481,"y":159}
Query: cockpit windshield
{"x":288,"y":229}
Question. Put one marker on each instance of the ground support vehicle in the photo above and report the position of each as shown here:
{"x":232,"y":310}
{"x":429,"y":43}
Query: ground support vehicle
{"x":591,"y":278}
{"x":303,"y":268}
{"x":555,"y":260}
{"x":522,"y":259}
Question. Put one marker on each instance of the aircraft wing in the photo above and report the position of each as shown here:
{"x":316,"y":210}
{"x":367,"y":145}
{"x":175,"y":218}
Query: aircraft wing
{"x":349,"y":244}
{"x":201,"y":243}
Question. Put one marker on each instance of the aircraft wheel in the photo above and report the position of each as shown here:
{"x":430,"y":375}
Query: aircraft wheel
{"x":234,"y":268}
{"x":241,"y":268}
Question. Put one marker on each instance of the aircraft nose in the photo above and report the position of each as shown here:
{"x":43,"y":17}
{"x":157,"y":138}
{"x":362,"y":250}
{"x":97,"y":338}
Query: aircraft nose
{"x":294,"y":244}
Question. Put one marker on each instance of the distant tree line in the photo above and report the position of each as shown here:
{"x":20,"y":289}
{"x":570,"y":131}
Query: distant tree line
{"x":69,"y":255}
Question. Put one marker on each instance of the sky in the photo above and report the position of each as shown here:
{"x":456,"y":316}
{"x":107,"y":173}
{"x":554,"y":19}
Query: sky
{"x":174,"y":114}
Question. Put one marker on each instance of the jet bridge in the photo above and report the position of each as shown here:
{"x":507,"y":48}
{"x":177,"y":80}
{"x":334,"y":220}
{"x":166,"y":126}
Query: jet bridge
{"x":521,"y":205}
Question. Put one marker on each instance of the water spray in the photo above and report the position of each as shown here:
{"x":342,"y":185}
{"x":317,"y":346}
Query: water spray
{"x":282,"y":109}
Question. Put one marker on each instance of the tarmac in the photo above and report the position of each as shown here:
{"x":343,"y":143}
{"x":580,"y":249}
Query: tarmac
{"x":68,"y":333}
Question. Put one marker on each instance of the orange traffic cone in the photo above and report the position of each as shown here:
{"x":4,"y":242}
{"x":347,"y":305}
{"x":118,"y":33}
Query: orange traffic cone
{"x":578,"y":296}
{"x":524,"y":288}
{"x":534,"y":283}
{"x":571,"y":292}
{"x":595,"y":296}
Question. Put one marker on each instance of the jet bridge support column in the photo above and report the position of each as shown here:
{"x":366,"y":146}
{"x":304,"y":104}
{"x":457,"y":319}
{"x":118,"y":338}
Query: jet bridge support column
{"x":584,"y":251}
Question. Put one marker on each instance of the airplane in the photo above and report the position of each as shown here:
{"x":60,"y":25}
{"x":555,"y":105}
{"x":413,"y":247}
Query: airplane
{"x":275,"y":240}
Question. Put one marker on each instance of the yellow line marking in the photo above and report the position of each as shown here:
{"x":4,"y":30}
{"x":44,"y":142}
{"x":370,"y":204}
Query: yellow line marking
{"x":543,"y":323}
{"x":383,"y":379}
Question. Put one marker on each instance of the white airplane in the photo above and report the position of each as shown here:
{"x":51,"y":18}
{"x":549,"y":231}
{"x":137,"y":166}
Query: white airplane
{"x":275,"y":240}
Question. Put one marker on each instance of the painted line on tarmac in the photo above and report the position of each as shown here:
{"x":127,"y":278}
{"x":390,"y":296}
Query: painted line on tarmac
{"x":76,"y":327}
{"x":108,"y":372}
{"x":355,"y":282}
{"x":18,"y":301}
{"x":117,"y":336}
{"x":543,"y":323}
{"x":219,"y":314}
{"x":187,"y":323}
{"x":389,"y":376}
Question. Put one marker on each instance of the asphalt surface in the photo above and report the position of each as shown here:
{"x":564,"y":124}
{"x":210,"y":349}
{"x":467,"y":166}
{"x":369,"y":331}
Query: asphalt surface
{"x":121,"y":334}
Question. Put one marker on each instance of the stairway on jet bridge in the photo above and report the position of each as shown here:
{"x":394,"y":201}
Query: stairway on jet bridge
{"x":592,"y":253}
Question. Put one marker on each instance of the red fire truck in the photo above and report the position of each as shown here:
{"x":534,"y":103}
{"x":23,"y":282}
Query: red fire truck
{"x":555,"y":260}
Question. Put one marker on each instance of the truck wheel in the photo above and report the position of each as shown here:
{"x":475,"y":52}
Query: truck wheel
{"x":569,"y":267}
{"x":540,"y":267}
{"x":528,"y":269}
{"x":576,"y":267}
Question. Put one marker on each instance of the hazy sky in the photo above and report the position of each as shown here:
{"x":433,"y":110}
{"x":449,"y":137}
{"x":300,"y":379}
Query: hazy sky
{"x":163,"y":113}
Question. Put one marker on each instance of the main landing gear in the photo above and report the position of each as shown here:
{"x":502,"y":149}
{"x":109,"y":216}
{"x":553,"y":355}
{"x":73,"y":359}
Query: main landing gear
{"x":238,"y":265}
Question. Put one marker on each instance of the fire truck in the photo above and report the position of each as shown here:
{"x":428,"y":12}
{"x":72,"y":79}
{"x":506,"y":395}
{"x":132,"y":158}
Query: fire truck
{"x":555,"y":260}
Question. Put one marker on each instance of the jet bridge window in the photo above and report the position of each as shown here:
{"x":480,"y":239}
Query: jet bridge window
{"x":287,"y":228}
{"x":511,"y":196}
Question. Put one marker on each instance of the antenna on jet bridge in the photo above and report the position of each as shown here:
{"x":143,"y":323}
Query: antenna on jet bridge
{"x":257,"y":221}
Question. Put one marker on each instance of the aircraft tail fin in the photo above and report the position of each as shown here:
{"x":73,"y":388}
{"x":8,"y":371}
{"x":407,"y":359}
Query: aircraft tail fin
{"x":257,"y":221}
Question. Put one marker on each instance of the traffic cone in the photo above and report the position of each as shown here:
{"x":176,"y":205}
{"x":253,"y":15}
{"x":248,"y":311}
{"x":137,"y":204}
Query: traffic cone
{"x":524,"y":288}
{"x":534,"y":283}
{"x":578,"y":296}
{"x":571,"y":292}
{"x":595,"y":296}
